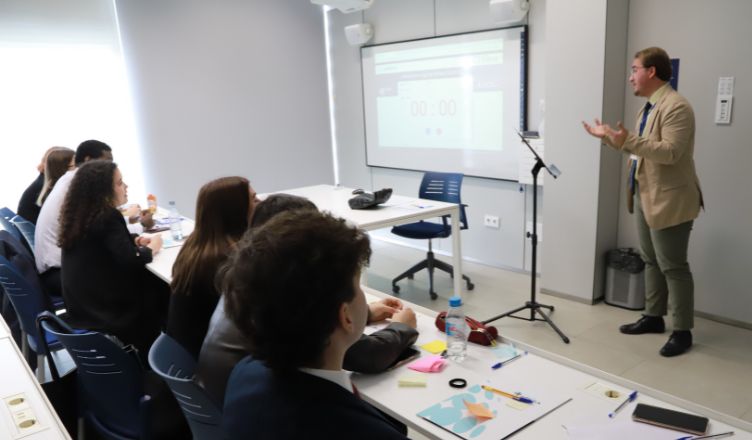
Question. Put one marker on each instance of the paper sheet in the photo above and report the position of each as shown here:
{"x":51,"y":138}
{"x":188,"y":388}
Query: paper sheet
{"x":619,"y":430}
{"x":453,"y":415}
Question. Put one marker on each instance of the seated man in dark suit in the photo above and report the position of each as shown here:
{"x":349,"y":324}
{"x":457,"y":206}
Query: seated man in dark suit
{"x":292,"y":287}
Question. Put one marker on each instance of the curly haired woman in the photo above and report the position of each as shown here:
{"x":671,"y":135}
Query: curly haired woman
{"x":105,"y":283}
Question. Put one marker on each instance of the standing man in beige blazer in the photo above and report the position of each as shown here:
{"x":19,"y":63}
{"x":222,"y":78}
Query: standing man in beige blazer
{"x":664,"y":187}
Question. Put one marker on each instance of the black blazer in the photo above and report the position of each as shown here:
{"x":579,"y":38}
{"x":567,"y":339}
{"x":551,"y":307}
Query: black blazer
{"x":189,"y":314}
{"x":27,"y":206}
{"x":263,"y":404}
{"x":106,"y":286}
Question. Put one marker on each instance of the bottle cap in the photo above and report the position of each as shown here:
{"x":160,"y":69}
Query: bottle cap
{"x":455,"y":301}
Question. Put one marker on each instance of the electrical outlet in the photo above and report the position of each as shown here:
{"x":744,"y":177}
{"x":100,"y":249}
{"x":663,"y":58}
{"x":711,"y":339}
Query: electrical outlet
{"x":491,"y":221}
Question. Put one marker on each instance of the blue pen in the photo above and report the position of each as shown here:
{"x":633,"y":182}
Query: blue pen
{"x":498,"y":365}
{"x":632,"y":396}
{"x":516,"y":397}
{"x":690,"y":437}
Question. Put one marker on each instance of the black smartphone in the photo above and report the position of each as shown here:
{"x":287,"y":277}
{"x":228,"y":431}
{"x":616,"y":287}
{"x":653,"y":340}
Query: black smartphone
{"x":671,"y":419}
{"x":407,"y":355}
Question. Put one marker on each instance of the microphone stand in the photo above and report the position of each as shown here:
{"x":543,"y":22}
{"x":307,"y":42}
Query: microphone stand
{"x":533,"y":305}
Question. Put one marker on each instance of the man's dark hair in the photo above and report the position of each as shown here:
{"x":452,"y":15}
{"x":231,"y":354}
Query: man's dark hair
{"x":286,"y":281}
{"x":658,"y":58}
{"x":278,"y":203}
{"x":92,"y":149}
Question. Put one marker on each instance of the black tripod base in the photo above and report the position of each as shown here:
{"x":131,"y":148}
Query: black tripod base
{"x":534,"y":308}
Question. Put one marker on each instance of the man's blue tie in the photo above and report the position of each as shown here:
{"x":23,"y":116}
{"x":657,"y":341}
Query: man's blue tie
{"x":633,"y":168}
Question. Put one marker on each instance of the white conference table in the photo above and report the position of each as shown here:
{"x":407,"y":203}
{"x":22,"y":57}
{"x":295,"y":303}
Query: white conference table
{"x":161,"y":264}
{"x":17,"y":379}
{"x":396,"y":211}
{"x":539,"y":373}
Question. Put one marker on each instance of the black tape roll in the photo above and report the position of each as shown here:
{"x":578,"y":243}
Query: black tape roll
{"x":458,"y":383}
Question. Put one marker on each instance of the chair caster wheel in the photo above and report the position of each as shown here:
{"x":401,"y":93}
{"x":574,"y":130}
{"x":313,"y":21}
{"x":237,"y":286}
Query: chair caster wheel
{"x":395,"y":288}
{"x":470,"y":286}
{"x":433,"y":295}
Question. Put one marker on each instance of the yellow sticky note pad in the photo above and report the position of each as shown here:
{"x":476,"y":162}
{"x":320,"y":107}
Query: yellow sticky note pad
{"x":520,"y":406}
{"x":479,"y":410}
{"x":434,"y":347}
{"x":412,"y":380}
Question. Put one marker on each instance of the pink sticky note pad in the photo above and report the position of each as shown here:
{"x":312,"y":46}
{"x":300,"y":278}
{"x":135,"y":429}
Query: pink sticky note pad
{"x":428,"y":364}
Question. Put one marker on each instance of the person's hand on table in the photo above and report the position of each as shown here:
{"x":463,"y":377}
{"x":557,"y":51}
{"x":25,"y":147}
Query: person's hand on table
{"x":406,"y":316}
{"x":131,"y":211}
{"x":383,"y":309}
{"x":155,"y":243}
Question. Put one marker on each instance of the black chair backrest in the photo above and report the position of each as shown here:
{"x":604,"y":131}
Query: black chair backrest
{"x":444,"y":187}
{"x":111,"y":380}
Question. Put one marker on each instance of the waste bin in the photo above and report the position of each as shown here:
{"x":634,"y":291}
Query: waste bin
{"x":625,"y":281}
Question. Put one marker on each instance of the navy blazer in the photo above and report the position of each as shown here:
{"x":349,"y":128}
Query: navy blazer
{"x":264,"y":404}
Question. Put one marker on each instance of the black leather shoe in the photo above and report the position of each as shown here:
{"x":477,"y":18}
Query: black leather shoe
{"x":646,"y":324}
{"x":678,"y":343}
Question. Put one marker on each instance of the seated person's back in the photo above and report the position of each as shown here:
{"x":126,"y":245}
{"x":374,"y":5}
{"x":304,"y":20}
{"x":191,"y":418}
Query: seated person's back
{"x":224,"y":208}
{"x":292,"y":289}
{"x":224,"y":345}
{"x":105,"y":283}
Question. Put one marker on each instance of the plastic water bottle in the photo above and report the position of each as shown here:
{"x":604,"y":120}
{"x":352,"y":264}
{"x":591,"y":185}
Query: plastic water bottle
{"x":176,"y":227}
{"x":456,"y":330}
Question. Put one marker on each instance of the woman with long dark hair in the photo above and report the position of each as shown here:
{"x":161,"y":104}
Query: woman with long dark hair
{"x":57,"y":162}
{"x":106,"y":286}
{"x":223,"y":212}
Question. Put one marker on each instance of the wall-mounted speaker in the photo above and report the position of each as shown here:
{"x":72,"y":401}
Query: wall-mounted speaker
{"x":359,"y":34}
{"x":508,"y":12}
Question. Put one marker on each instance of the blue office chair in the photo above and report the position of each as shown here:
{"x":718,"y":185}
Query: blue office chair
{"x":26,"y":229}
{"x":443,"y":187}
{"x":177,"y":367}
{"x":6,"y":213}
{"x":6,"y":225}
{"x":111,"y":382}
{"x":28,"y":303}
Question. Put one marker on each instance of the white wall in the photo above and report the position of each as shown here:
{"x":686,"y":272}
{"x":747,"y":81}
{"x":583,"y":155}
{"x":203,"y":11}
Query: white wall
{"x":711,"y":39}
{"x":228,"y":88}
{"x":585,"y":39}
{"x":397,"y":20}
{"x":62,"y":81}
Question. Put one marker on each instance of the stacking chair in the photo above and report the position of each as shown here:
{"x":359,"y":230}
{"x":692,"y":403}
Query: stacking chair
{"x":6,"y":225}
{"x":111,"y":382}
{"x":6,"y":213}
{"x":443,"y":187}
{"x":26,"y":229}
{"x":177,"y":367}
{"x":28,"y":302}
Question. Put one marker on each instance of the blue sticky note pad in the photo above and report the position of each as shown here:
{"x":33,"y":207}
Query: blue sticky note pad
{"x":452,"y":414}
